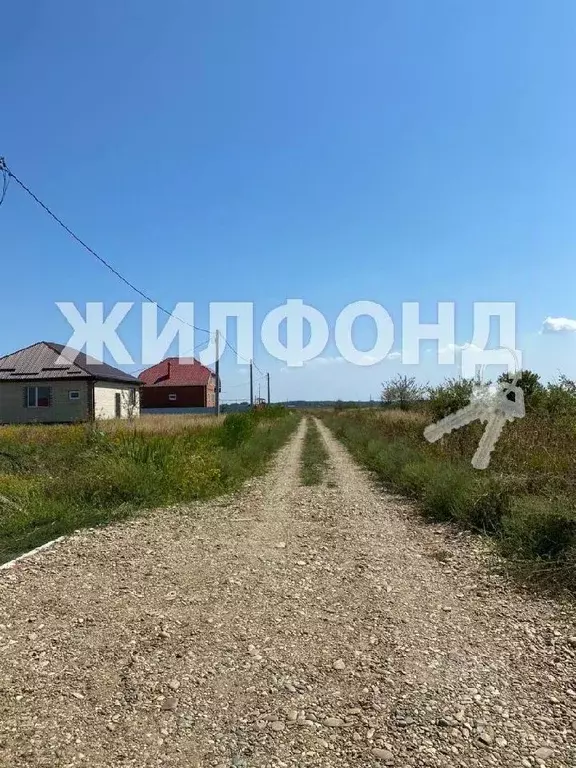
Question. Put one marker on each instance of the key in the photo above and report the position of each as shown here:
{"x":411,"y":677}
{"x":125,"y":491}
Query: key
{"x":502,"y":410}
{"x":474,"y":410}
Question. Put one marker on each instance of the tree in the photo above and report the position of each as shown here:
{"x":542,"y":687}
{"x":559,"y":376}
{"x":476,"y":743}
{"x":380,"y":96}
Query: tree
{"x":130,"y":399}
{"x":450,"y":396}
{"x":561,"y":397}
{"x":402,"y":391}
{"x":529,"y":383}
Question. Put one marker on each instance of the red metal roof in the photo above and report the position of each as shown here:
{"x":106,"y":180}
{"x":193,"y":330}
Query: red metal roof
{"x":177,"y":372}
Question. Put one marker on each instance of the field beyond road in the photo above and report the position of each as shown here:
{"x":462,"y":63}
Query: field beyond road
{"x":283,"y":625}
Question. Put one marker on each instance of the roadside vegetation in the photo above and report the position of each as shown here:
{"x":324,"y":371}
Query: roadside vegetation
{"x":55,"y":479}
{"x":314,"y":459}
{"x":526,"y":499}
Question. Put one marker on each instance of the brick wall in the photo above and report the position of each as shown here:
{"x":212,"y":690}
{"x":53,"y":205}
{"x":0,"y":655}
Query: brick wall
{"x":105,"y":393}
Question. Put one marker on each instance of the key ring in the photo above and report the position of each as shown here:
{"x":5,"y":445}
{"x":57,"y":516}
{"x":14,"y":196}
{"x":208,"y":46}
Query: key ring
{"x":509,"y":386}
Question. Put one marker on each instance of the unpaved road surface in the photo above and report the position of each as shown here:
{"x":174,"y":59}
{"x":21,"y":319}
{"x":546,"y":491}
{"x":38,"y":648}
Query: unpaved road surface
{"x":285,"y":626}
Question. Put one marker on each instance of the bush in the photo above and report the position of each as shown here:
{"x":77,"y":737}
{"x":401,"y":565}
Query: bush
{"x":490,"y":500}
{"x":449,"y":397}
{"x":416,"y":476}
{"x":237,"y":428}
{"x":270,"y":412}
{"x":539,"y":528}
{"x":448,"y":494}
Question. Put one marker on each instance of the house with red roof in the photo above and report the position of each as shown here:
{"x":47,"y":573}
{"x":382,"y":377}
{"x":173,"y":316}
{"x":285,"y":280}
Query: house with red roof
{"x":178,"y":383}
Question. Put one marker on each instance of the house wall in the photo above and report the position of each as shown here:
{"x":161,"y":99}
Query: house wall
{"x":105,"y":400}
{"x":62,"y":409}
{"x":186,"y":397}
{"x":169,"y":411}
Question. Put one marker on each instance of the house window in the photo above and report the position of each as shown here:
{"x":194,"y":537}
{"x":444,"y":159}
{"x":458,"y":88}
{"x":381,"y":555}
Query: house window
{"x":132,"y":397}
{"x":74,"y":394}
{"x":172,"y":397}
{"x":37,"y":397}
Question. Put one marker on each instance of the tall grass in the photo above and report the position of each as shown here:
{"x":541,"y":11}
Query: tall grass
{"x":55,"y":479}
{"x":526,"y":499}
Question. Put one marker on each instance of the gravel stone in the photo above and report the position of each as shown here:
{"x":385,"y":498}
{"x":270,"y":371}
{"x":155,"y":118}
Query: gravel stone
{"x":178,"y":596}
{"x":334,"y":722}
{"x":384,"y":755}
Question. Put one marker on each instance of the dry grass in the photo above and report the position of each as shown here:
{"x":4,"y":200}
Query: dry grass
{"x":156,"y":423}
{"x":396,"y":416}
{"x":162,"y":423}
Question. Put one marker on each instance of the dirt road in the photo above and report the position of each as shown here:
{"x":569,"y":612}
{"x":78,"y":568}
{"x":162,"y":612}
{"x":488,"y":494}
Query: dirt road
{"x":285,"y":626}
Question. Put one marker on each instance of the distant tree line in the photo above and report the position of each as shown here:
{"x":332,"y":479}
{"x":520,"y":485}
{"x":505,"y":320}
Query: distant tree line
{"x":554,"y":398}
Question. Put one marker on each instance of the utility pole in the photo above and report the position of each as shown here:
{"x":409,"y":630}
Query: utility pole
{"x":268,"y":382}
{"x":251,"y":386}
{"x":217,"y":398}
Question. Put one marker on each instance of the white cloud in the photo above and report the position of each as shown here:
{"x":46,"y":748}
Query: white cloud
{"x":558,"y":325}
{"x":323,"y":362}
{"x":326,"y":361}
{"x":459,"y":348}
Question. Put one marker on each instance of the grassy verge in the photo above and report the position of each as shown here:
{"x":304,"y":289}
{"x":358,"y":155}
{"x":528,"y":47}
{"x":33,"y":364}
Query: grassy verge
{"x":314,"y":456}
{"x":525,"y":500}
{"x":55,"y":479}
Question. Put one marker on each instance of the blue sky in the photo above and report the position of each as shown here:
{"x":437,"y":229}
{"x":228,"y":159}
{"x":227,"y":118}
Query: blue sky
{"x":326,"y":150}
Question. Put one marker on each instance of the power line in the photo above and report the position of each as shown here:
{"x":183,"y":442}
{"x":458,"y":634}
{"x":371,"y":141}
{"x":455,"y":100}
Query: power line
{"x":5,"y":179}
{"x":227,"y":343}
{"x":8,"y":174}
{"x":233,"y":386}
{"x":244,"y":383}
{"x":100,"y":259}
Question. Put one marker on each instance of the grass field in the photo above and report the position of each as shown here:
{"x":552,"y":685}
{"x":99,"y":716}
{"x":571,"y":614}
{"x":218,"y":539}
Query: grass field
{"x":55,"y":479}
{"x":525,"y":500}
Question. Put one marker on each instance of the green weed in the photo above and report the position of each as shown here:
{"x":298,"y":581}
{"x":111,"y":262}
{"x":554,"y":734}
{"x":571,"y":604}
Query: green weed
{"x":314,"y":456}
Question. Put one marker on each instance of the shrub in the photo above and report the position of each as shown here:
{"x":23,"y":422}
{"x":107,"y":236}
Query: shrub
{"x":449,"y":397}
{"x":416,"y":476}
{"x":539,"y":528}
{"x":194,"y":476}
{"x":237,"y":428}
{"x":447,"y":494}
{"x":270,"y":412}
{"x":490,"y":500}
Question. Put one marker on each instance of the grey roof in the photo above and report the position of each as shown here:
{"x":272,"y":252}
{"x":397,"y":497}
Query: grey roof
{"x":41,"y":361}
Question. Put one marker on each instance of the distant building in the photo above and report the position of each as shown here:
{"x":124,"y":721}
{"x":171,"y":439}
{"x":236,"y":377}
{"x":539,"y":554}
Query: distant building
{"x":178,"y":383}
{"x":48,"y":383}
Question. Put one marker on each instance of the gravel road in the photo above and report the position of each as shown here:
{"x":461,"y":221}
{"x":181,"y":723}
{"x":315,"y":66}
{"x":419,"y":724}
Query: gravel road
{"x":284,"y":626}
